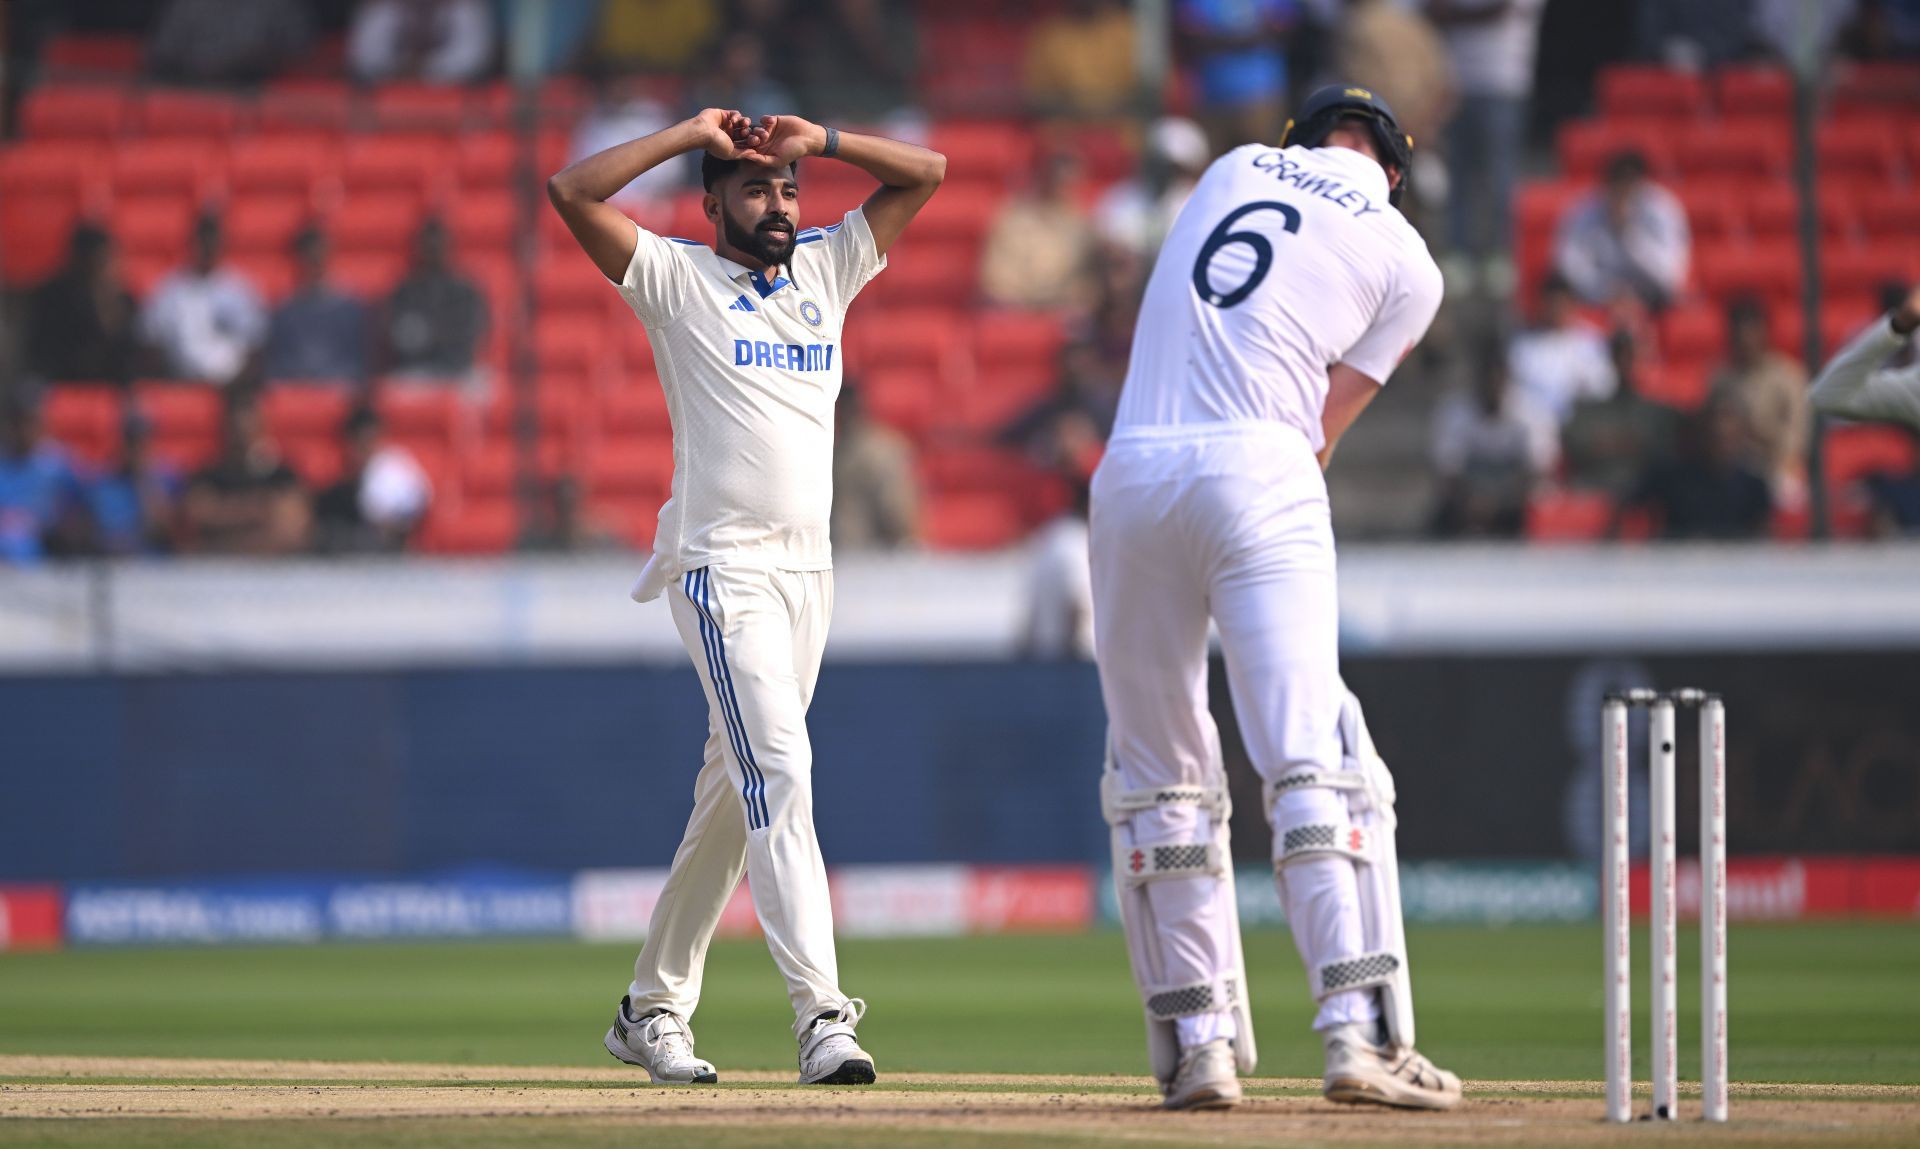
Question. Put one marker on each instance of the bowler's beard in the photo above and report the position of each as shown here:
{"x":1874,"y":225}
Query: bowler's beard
{"x":769,"y":248}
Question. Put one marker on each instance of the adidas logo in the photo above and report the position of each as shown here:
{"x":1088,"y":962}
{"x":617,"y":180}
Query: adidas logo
{"x":741,"y":303}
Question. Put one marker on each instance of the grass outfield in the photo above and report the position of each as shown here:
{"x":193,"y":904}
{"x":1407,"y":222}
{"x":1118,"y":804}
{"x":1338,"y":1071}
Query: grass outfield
{"x":1827,"y":1003}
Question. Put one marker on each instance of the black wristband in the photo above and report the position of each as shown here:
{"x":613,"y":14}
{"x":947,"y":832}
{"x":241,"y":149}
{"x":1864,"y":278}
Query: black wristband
{"x":833,"y":142}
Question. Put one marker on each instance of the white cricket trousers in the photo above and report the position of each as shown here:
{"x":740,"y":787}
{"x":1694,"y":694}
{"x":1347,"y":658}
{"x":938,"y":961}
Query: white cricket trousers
{"x":755,"y":636}
{"x":1230,"y":522}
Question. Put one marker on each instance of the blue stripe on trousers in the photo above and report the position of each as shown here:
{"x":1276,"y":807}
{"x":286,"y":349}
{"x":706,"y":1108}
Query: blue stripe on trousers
{"x":735,"y":736}
{"x":754,"y":783}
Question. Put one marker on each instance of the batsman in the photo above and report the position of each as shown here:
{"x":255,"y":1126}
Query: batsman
{"x":1288,"y":290}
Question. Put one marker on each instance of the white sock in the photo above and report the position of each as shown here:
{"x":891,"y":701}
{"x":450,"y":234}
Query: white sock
{"x":1200,"y":1028}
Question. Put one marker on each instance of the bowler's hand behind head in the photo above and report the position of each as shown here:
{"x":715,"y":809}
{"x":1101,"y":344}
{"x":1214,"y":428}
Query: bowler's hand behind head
{"x":729,"y":134}
{"x":784,"y":139}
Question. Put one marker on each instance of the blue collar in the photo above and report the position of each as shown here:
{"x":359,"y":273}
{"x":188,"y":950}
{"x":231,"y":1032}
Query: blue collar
{"x":761,"y":285}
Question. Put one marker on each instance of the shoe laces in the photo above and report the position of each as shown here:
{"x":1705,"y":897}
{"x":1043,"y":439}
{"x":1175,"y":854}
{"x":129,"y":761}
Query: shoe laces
{"x":668,"y":1033}
{"x":837,"y":1024}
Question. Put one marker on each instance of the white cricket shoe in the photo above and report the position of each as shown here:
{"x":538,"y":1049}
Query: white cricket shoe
{"x":1206,"y":1078}
{"x":828,"y":1053}
{"x":1360,"y":1071}
{"x":659,"y":1043}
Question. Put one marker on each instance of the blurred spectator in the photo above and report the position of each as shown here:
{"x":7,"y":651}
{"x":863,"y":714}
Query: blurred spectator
{"x":1120,"y":280}
{"x":436,"y":316}
{"x":1039,"y":251}
{"x":319,"y":332}
{"x":1059,"y":619}
{"x":1492,"y":43}
{"x":1393,"y":49}
{"x":221,"y":42}
{"x":1628,"y":239}
{"x":1238,"y":50}
{"x":738,"y":78}
{"x":204,"y":320}
{"x":1793,"y":30}
{"x":249,"y":502}
{"x":1611,"y":441}
{"x":562,"y":526}
{"x":652,"y":35}
{"x":1708,"y":491}
{"x":622,"y":111}
{"x":81,"y":322}
{"x":41,"y":500}
{"x":1882,"y":30}
{"x":1489,"y":449}
{"x":378,"y":503}
{"x":1698,"y":35}
{"x":876,"y":500}
{"x":1563,"y":359}
{"x":1765,"y":393}
{"x":1066,"y":429}
{"x":437,"y":41}
{"x":856,"y":61}
{"x":135,"y":505}
{"x":1137,"y":212}
{"x":1080,"y":60}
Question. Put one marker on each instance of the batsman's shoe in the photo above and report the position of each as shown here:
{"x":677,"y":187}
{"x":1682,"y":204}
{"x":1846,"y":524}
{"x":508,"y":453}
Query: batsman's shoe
{"x":659,"y":1043}
{"x":1358,"y":1071}
{"x":1206,"y":1078}
{"x":828,"y":1053}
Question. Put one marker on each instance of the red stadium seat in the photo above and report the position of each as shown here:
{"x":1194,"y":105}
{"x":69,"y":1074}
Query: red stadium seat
{"x":971,"y":521}
{"x":927,"y":273}
{"x":305,"y":105}
{"x":904,"y":398}
{"x":1724,"y":150}
{"x":1773,"y":212}
{"x":92,"y":55}
{"x":34,"y":231}
{"x":271,"y":273}
{"x":156,"y":226}
{"x":180,"y":410}
{"x":1679,"y":384}
{"x":67,"y":168}
{"x":1539,"y":205}
{"x":1763,"y":270}
{"x":960,"y":214}
{"x":640,"y":469}
{"x":921,"y":339}
{"x":994,"y":152}
{"x":370,"y":275}
{"x":480,"y":527}
{"x":1585,"y":146}
{"x":1692,"y":333}
{"x":319,"y":462}
{"x":1863,"y":270}
{"x":402,"y":106}
{"x":421,"y":412}
{"x":972,"y":469}
{"x":488,"y":470}
{"x":1002,"y":392}
{"x":69,"y":110}
{"x":568,"y":283}
{"x":487,"y":159}
{"x":376,"y":221}
{"x":1020,"y":339}
{"x":569,"y":343}
{"x":266,"y":222}
{"x":168,"y":112}
{"x":484,"y":220}
{"x":1868,"y":152}
{"x":1890,"y":212}
{"x":1855,"y":450}
{"x":1756,"y":92}
{"x":635,"y":412}
{"x":397,"y":162}
{"x":1715,"y":211}
{"x":176,"y":166}
{"x":84,"y":417}
{"x":1569,"y":516}
{"x":306,"y":410}
{"x":288,"y":163}
{"x":1629,"y":91}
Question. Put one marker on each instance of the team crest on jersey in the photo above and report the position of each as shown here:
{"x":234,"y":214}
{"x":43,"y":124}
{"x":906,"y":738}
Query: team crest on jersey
{"x":810,"y":311}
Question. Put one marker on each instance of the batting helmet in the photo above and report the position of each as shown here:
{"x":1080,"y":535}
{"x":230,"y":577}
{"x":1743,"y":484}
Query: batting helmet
{"x":1327,"y":107}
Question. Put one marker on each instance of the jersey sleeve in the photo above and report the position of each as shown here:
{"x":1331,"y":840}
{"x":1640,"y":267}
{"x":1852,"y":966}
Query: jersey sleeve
{"x":847,"y":254}
{"x":658,"y":279}
{"x":1401,"y":322}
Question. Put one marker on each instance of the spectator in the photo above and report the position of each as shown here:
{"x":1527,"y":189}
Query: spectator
{"x":1393,"y":49}
{"x":1072,"y":57}
{"x":1696,"y":36}
{"x":1137,"y":212}
{"x":1064,"y":431}
{"x":1882,"y":30}
{"x":1492,"y":44}
{"x":856,"y":61}
{"x":81,"y":323}
{"x":1563,"y":359}
{"x":1709,"y":491}
{"x":563,"y":526}
{"x":136,"y":505}
{"x":738,"y":78}
{"x":220,"y":42}
{"x":249,"y":502}
{"x":1059,"y":616}
{"x":319,"y":332}
{"x":379,"y":502}
{"x":436,"y":316}
{"x":204,"y":320}
{"x":1611,"y":441}
{"x":653,"y":35}
{"x":41,"y":501}
{"x":1238,"y":51}
{"x":622,"y":111}
{"x":876,"y":502}
{"x":1765,"y":394}
{"x":1039,"y":251}
{"x":436,"y":41}
{"x":1489,"y":449}
{"x":1628,"y":240}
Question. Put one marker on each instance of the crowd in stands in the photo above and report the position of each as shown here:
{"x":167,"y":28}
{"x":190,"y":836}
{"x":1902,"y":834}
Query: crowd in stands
{"x":384,"y":354}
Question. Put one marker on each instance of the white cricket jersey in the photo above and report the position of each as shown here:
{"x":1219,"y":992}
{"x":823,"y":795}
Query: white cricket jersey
{"x":1282,"y":263}
{"x":751,"y":369}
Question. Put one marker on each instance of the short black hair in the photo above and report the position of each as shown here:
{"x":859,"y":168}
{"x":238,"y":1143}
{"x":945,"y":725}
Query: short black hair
{"x":713,"y":170}
{"x":1628,"y":164}
{"x":364,"y":417}
{"x":1744,"y":309}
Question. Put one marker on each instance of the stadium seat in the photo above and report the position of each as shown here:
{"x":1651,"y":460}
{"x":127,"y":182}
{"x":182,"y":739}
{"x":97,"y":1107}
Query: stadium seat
{"x":403,"y":106}
{"x":1693,"y":332}
{"x":305,"y":410}
{"x":180,"y":410}
{"x":300,"y":163}
{"x":271,"y":273}
{"x":66,"y":168}
{"x":1852,"y":451}
{"x":1765,"y":270}
{"x":1585,"y":146}
{"x":1863,"y":270}
{"x":1001,"y":392}
{"x":1630,"y":91}
{"x":480,"y":527}
{"x":370,"y":275}
{"x":1019,"y":339}
{"x":971,"y":521}
{"x":903,"y":398}
{"x":34,"y":230}
{"x":927,"y":273}
{"x":1569,"y":516}
{"x":172,"y":166}
{"x":971,"y":470}
{"x":488,"y":470}
{"x":414,"y":162}
{"x":919,"y":338}
{"x":1725,"y":150}
{"x":1890,"y":212}
{"x":143,"y":273}
{"x":1715,"y":210}
{"x":92,"y":55}
{"x":960,"y":214}
{"x":421,"y":412}
{"x":1773,"y":212}
{"x":74,"y":110}
{"x":376,"y":221}
{"x":318,"y":462}
{"x":174,"y":112}
{"x":484,"y":220}
{"x":487,"y":159}
{"x":266,"y":222}
{"x":1754,"y":93}
{"x":304,"y":105}
{"x":567,"y":283}
{"x":994,"y":152}
{"x":640,"y":469}
{"x":156,"y":226}
{"x":635,"y":412}
{"x":84,"y":417}
{"x":1865,"y":152}
{"x":571,"y":343}
{"x":1681,"y":384}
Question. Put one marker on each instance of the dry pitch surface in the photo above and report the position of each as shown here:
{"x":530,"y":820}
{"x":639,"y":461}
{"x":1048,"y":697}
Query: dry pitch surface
{"x":349,"y":1098}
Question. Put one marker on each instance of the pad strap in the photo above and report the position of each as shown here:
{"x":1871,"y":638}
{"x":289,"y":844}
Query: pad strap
{"x":1119,"y":805}
{"x":1355,"y":973}
{"x":1169,"y":1002}
{"x":1321,"y":838}
{"x":1136,"y":864}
